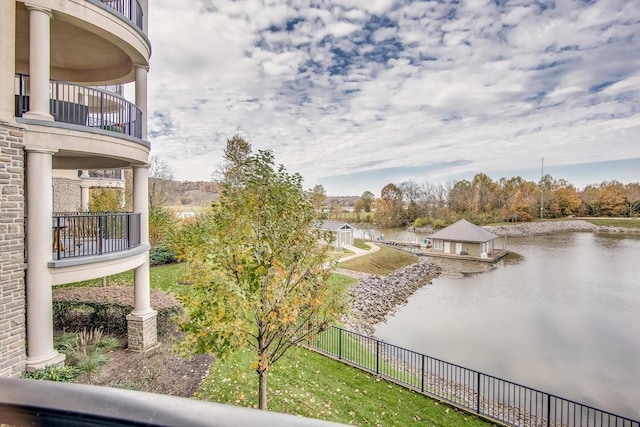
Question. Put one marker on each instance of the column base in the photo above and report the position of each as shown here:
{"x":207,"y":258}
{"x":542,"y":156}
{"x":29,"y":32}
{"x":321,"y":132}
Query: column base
{"x":142,"y":331}
{"x":54,"y":359}
{"x":38,"y":116}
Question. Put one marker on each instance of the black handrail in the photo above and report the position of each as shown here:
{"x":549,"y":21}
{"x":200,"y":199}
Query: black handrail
{"x":486,"y":395}
{"x":130,"y":9}
{"x":84,"y":106}
{"x":78,"y":234}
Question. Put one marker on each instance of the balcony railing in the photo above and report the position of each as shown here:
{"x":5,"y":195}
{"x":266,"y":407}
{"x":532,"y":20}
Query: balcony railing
{"x":84,"y":106}
{"x":104,"y":173}
{"x":78,"y":234}
{"x":130,"y":9}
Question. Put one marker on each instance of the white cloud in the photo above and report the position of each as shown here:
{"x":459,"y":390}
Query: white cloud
{"x":357,"y":86}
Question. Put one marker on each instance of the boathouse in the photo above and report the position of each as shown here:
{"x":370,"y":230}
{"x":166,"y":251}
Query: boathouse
{"x":464,"y":239}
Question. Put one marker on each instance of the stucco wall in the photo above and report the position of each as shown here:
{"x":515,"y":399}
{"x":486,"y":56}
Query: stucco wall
{"x":66,"y":195}
{"x":12,"y":284}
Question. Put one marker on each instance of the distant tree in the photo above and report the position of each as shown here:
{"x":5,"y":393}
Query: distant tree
{"x":414,"y":199}
{"x":260,"y":277}
{"x":318,"y":196}
{"x":160,"y":177}
{"x":236,"y":154}
{"x":632,"y":193}
{"x":367,"y":199}
{"x":103,"y":199}
{"x":567,"y":197}
{"x":390,"y":210}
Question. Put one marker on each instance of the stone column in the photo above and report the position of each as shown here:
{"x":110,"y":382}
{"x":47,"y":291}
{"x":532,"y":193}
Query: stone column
{"x":8,"y":55}
{"x":40,"y":351}
{"x":141,"y":95}
{"x":39,"y":62}
{"x":141,"y":323}
{"x":84,"y":191}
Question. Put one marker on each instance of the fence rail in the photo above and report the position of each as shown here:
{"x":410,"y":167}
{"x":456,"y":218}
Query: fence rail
{"x":492,"y":397}
{"x":78,"y":234}
{"x":130,"y":9}
{"x":84,"y":106}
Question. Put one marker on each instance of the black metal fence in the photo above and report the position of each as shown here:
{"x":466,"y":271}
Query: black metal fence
{"x":84,"y":106}
{"x":130,"y":9}
{"x":78,"y":234}
{"x":486,"y":395}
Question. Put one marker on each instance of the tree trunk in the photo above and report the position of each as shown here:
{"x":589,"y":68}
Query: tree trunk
{"x":262,"y":390}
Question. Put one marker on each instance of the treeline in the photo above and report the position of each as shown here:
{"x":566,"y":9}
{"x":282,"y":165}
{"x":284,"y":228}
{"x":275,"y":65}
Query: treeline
{"x":483,"y":200}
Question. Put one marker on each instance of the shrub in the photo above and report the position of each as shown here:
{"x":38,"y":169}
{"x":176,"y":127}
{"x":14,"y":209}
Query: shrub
{"x":162,"y":255}
{"x":76,"y":309}
{"x":65,"y":374}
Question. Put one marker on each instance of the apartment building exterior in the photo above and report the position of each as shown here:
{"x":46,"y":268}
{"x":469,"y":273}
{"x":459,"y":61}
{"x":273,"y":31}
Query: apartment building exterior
{"x":59,"y":120}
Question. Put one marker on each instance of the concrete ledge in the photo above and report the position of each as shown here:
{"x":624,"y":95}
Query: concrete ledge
{"x":91,"y":259}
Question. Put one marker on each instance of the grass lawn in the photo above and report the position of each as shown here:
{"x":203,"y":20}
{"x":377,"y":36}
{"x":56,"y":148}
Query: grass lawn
{"x":360,"y":244}
{"x":616,"y":222}
{"x":384,"y":261}
{"x":309,"y":384}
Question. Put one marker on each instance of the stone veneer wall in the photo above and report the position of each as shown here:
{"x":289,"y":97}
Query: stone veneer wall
{"x":12,"y":281}
{"x":66,"y":195}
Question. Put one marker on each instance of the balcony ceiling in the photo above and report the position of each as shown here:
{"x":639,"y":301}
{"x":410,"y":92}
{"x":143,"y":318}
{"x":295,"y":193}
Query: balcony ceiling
{"x":77,"y":54}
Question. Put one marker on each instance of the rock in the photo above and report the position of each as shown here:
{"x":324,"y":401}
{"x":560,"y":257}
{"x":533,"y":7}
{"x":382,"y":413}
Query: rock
{"x":374,"y":297}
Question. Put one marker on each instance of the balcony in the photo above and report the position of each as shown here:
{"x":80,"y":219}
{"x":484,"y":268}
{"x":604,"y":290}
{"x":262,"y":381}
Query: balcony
{"x":130,"y":9}
{"x":81,"y":234}
{"x":84,"y":106}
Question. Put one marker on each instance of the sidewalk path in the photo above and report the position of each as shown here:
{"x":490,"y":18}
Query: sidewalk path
{"x":359,"y":252}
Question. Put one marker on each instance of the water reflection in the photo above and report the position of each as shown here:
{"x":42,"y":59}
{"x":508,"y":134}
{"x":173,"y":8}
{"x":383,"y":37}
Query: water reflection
{"x":561,"y":316}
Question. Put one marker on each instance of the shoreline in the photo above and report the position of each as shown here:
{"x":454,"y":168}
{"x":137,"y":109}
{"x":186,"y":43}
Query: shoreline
{"x":374,"y":297}
{"x":528,"y":229}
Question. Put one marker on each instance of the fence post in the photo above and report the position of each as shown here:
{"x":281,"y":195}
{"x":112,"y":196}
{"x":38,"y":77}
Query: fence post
{"x":548,"y":409}
{"x":478,"y":394}
{"x":422,"y":377}
{"x":99,"y":232}
{"x":377,"y":357}
{"x":340,"y":343}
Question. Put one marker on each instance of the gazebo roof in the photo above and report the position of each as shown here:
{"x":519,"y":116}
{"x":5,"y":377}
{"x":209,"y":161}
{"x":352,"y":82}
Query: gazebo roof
{"x":335,"y":226}
{"x":464,"y":231}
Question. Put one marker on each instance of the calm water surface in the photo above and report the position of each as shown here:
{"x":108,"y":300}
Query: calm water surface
{"x":563,"y":317}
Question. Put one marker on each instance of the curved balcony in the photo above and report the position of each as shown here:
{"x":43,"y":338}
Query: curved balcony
{"x":130,"y":9}
{"x":81,"y":234}
{"x":84,"y":106}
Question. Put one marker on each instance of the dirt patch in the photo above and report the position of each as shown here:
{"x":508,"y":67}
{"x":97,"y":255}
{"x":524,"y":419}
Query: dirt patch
{"x":160,"y":370}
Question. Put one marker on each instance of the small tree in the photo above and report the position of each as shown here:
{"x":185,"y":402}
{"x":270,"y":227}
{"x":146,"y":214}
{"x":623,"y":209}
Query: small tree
{"x":260,"y":276}
{"x":160,"y":177}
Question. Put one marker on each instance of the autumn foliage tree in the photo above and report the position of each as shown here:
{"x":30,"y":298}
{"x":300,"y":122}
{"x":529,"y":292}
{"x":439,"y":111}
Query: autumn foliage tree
{"x":260,"y":277}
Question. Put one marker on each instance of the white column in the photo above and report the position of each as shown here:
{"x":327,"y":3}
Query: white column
{"x":84,"y":191}
{"x":142,"y":299}
{"x":39,"y":62}
{"x":40,"y":351}
{"x":141,"y":95}
{"x":8,"y":55}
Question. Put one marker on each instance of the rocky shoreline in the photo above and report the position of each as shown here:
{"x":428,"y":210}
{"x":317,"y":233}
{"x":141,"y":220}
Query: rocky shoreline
{"x":527,"y":229}
{"x":374,"y":297}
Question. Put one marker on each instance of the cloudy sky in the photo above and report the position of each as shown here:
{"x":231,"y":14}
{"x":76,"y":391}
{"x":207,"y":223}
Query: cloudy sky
{"x":354,"y":94}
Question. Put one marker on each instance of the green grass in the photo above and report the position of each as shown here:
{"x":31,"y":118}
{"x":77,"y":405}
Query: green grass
{"x":384,"y":261}
{"x":311,"y":385}
{"x":360,"y":244}
{"x":616,"y":222}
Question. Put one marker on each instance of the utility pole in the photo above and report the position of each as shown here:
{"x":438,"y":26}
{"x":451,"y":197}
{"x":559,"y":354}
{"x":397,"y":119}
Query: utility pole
{"x":541,"y":188}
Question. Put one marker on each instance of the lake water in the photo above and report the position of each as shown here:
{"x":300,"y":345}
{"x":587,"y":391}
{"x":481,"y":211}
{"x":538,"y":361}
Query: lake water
{"x":563,"y":317}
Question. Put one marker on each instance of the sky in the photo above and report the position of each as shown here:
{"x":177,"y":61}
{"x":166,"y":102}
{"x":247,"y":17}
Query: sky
{"x":355,"y":94}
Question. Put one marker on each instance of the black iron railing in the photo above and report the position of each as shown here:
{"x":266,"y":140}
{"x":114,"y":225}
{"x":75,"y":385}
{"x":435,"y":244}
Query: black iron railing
{"x":104,"y":173}
{"x":130,"y":9}
{"x":78,"y":234}
{"x":486,"y":395}
{"x":84,"y":106}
